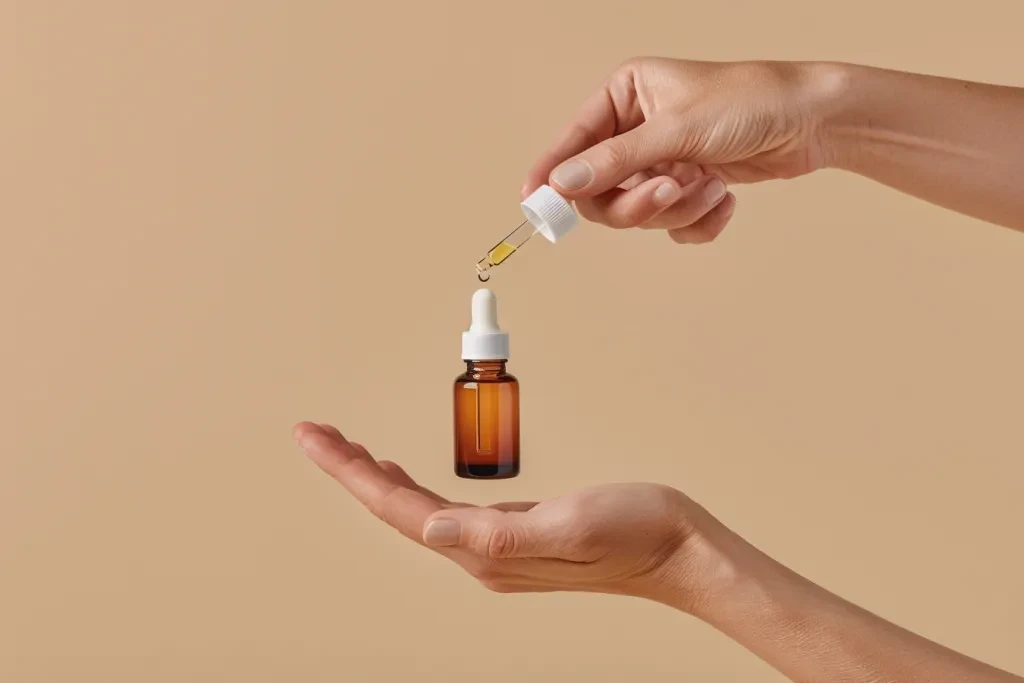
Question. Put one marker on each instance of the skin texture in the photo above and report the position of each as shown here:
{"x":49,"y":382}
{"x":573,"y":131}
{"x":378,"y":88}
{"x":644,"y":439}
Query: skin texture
{"x":648,"y":541}
{"x":649,"y":148}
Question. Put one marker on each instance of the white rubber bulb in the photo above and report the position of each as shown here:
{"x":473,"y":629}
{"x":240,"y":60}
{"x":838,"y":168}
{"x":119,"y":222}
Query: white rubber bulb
{"x":484,"y":340}
{"x":485,"y":312}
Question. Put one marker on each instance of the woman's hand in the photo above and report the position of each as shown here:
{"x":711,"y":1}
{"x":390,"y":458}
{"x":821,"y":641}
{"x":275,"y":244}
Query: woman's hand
{"x":653,"y":542}
{"x":644,"y":540}
{"x":657,"y":144}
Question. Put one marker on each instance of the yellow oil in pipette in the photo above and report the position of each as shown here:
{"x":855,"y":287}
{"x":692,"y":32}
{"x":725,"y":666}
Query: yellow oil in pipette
{"x":500,"y":253}
{"x":504,"y":249}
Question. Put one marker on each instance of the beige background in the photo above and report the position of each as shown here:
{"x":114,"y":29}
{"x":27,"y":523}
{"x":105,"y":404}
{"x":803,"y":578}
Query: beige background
{"x":219,"y":218}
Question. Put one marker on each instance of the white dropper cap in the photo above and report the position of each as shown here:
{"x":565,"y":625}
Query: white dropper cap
{"x":484,"y":340}
{"x":550,"y":214}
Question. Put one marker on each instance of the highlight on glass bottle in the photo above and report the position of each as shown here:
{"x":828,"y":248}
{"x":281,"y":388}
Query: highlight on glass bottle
{"x":486,"y":399}
{"x":547,"y":212}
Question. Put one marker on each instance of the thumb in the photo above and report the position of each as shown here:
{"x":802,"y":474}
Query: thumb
{"x":611,"y":162}
{"x":490,"y":533}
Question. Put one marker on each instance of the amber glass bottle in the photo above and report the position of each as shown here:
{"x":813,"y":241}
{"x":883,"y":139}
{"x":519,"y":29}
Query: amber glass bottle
{"x":486,"y":399}
{"x":486,"y":421}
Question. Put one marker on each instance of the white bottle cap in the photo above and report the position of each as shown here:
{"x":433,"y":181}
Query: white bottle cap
{"x":550,"y":213}
{"x":484,"y":340}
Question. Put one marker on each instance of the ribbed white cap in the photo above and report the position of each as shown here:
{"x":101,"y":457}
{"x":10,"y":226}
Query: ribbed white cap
{"x":484,"y":340}
{"x":550,"y":213}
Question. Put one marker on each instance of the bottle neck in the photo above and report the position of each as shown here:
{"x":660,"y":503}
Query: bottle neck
{"x":485,"y":367}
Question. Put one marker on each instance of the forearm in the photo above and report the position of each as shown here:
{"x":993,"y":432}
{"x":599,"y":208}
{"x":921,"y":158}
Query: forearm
{"x":953,"y":143}
{"x":813,"y":636}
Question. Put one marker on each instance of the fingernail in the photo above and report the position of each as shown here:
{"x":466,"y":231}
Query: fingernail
{"x":572,"y":175}
{"x":667,"y":193}
{"x":442,"y":532}
{"x":715,"y":191}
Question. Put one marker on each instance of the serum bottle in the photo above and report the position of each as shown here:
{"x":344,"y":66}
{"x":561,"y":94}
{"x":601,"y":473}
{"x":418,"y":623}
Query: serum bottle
{"x":486,"y":399}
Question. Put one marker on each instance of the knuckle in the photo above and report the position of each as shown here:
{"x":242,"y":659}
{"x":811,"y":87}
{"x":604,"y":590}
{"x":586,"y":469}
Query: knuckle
{"x":588,"y":534}
{"x":629,"y":64}
{"x":584,"y":133}
{"x":384,"y":509}
{"x":633,"y":63}
{"x":615,"y":153}
{"x":500,"y":542}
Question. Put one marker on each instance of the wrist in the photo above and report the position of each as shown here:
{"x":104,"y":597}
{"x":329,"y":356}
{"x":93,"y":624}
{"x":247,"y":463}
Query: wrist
{"x":721,"y":579}
{"x":710,"y":567}
{"x":829,"y":93}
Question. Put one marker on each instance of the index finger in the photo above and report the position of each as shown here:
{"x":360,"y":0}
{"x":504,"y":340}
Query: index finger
{"x":609,"y":111}
{"x":402,"y":508}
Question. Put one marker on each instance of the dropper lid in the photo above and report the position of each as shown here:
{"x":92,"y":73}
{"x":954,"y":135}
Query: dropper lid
{"x":549,"y":213}
{"x":484,"y":340}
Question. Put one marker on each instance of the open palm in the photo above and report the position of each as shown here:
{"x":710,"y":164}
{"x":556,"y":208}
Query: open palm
{"x":616,"y":538}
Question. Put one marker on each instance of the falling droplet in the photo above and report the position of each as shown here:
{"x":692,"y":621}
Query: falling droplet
{"x":483,"y":275}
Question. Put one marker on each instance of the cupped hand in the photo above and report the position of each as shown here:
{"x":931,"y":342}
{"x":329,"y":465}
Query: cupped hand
{"x":657,"y":144}
{"x":645,"y":540}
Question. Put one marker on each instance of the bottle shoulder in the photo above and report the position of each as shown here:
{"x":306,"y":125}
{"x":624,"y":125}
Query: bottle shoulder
{"x":487,"y":377}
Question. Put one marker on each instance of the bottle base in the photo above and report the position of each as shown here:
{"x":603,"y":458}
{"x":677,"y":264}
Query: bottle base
{"x":486,"y":471}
